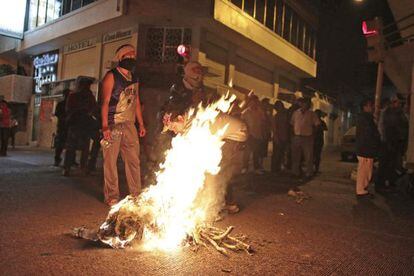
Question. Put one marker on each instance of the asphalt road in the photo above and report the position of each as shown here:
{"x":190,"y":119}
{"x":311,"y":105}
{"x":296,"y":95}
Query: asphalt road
{"x":331,"y":233}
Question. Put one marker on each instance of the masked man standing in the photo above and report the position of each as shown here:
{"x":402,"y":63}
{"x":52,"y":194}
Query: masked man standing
{"x":120,"y":107}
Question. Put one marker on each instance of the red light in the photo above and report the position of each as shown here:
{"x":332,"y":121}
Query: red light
{"x":182,"y":50}
{"x":366,"y":31}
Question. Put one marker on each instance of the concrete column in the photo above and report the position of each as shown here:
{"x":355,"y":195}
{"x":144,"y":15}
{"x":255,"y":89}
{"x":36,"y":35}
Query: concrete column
{"x":275,"y":84}
{"x":196,"y":43}
{"x":230,"y":67}
{"x":410,"y":151}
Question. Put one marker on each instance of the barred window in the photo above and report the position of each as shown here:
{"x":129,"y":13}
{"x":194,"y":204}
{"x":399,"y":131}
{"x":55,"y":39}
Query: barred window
{"x":162,"y":43}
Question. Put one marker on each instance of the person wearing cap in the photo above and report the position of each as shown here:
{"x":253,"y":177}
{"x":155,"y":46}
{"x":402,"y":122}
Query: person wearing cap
{"x":303,"y":122}
{"x":319,"y":139}
{"x":79,"y":108}
{"x":189,"y":93}
{"x":5,"y":122}
{"x":120,"y":109}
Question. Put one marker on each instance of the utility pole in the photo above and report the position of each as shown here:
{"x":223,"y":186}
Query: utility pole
{"x":372,"y":30}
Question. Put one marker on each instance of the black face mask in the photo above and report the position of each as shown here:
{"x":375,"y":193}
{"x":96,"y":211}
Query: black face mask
{"x":128,"y":64}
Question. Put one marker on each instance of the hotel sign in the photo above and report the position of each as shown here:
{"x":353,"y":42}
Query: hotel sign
{"x":81,"y":45}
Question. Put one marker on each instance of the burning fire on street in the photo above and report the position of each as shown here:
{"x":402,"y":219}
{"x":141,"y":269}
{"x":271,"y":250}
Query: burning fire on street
{"x":181,"y":207}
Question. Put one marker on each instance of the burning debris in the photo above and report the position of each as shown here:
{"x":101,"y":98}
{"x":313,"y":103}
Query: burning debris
{"x":182,"y":205}
{"x":126,"y":223}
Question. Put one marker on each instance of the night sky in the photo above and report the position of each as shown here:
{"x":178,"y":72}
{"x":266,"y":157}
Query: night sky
{"x":343,"y":68}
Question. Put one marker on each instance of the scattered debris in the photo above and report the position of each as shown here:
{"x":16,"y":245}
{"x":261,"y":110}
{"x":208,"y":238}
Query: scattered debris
{"x":226,"y":270}
{"x":300,"y":196}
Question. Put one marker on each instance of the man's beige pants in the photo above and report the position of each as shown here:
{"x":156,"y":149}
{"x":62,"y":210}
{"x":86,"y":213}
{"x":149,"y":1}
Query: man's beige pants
{"x":128,"y":144}
{"x":364,"y":174}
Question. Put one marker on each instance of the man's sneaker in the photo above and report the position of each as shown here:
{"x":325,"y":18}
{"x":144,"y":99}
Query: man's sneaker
{"x":365,"y":196}
{"x":232,"y":208}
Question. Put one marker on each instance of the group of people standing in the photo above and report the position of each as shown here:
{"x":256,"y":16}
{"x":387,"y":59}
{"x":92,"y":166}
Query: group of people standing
{"x":8,"y":127}
{"x":384,"y":138}
{"x":297,"y":134}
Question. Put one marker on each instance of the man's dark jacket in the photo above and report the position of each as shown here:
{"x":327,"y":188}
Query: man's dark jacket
{"x":367,"y":136}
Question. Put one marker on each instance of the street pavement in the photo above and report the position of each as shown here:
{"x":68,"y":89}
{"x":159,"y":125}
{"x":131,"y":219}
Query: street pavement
{"x":330,"y":233}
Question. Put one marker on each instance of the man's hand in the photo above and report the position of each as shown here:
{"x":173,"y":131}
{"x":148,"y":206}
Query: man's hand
{"x":106,"y":134}
{"x":142,"y":131}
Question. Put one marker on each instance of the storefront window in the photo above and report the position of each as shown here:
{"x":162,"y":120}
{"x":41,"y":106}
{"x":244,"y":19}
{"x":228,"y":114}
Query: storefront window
{"x":58,"y":9}
{"x":41,"y":15}
{"x":33,"y":8}
{"x":43,"y":11}
{"x":76,"y":4}
{"x":50,"y":11}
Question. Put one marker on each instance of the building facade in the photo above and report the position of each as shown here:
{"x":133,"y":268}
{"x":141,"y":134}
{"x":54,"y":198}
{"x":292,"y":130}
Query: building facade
{"x":264,"y":46}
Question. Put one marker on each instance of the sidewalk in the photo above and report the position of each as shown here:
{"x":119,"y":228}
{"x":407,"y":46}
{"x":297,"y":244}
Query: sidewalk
{"x":330,"y":233}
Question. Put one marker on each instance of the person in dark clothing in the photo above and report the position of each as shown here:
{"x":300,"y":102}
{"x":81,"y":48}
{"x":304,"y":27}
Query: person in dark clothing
{"x":395,"y":137}
{"x":367,"y":147}
{"x":319,"y":140}
{"x":5,"y":121}
{"x":281,"y":127}
{"x":61,"y":129}
{"x":187,"y":94}
{"x":267,"y":128}
{"x":95,"y":136}
{"x":13,"y":130}
{"x":79,"y":108}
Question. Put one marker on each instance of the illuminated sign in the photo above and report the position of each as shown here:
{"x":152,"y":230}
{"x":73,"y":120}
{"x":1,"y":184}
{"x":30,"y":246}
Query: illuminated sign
{"x":46,"y":59}
{"x":369,"y":28}
{"x":12,"y":15}
{"x":45,"y":69}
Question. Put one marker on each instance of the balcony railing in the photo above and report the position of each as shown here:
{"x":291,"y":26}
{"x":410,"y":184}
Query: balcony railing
{"x":279,"y":17}
{"x":399,"y":32}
